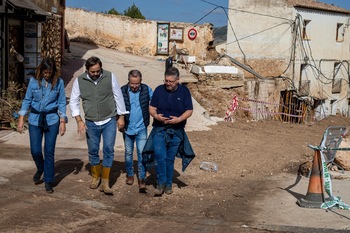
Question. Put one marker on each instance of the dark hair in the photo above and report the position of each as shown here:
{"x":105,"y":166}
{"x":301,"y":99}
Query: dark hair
{"x":172,"y":71}
{"x":92,"y":61}
{"x":135,"y":73}
{"x":47,"y":64}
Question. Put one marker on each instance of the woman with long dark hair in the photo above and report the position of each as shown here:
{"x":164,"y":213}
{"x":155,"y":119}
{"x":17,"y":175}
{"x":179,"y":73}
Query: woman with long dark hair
{"x":45,"y":101}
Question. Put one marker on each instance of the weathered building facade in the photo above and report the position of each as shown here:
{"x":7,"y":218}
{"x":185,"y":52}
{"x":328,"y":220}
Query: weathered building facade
{"x":30,"y":30}
{"x":141,"y":37}
{"x":301,"y":48}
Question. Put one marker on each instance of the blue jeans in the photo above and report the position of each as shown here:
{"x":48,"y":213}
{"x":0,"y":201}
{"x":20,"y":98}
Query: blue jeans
{"x":44,"y":163}
{"x":140,"y":138}
{"x":94,"y":132}
{"x":166,"y":146}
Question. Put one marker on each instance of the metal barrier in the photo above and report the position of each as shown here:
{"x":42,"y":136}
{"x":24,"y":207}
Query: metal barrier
{"x":329,"y":145}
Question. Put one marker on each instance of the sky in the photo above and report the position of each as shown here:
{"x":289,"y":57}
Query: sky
{"x":189,"y":11}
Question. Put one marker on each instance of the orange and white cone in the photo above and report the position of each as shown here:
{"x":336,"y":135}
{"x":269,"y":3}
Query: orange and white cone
{"x":315,"y":193}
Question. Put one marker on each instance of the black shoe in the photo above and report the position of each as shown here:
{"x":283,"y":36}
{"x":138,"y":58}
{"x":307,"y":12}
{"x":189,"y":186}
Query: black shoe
{"x":159,"y":190}
{"x":48,"y":187}
{"x":37,"y":177}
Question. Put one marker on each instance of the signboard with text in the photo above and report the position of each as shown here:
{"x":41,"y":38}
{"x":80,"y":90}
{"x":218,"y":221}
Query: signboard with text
{"x":163,"y":38}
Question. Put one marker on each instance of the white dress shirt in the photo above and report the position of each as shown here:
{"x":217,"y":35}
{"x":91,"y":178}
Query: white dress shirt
{"x":74,"y":102}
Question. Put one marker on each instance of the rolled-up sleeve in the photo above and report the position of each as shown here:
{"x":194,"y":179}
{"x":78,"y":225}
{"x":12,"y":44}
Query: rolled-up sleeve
{"x":74,"y":101}
{"x":118,"y":97}
{"x":27,"y":99}
{"x":62,"y":103}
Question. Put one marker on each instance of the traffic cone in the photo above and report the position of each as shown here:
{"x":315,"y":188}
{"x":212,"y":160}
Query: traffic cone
{"x":315,"y":193}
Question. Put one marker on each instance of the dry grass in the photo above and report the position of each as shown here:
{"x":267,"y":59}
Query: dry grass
{"x":10,"y":103}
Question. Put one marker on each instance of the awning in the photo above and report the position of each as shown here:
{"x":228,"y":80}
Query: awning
{"x":28,"y":4}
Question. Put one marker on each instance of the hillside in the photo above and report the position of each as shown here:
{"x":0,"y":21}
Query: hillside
{"x":220,"y":35}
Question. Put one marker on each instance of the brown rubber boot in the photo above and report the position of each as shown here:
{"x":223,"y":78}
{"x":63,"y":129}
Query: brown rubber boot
{"x":96,"y":176}
{"x":105,"y":181}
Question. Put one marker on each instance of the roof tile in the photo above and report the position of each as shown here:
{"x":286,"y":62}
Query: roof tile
{"x":314,"y":4}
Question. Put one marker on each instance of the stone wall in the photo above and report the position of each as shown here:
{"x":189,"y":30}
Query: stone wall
{"x":131,"y":35}
{"x":267,"y":90}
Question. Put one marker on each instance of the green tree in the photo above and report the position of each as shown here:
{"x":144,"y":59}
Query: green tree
{"x":113,"y":12}
{"x":134,"y":12}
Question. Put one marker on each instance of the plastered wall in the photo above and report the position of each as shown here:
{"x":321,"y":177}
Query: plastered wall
{"x":132,"y":35}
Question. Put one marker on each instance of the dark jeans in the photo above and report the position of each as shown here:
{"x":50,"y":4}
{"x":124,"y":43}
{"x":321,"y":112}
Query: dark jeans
{"x":166,"y":146}
{"x":44,"y":163}
{"x":108,"y":133}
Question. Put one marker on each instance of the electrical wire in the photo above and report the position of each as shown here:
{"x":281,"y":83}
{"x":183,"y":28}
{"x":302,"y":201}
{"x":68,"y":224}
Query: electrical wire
{"x":207,"y":14}
{"x":248,"y":12}
{"x":305,"y":48}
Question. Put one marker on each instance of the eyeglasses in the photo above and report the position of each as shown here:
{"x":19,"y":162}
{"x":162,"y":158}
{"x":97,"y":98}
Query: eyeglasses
{"x":169,"y":81}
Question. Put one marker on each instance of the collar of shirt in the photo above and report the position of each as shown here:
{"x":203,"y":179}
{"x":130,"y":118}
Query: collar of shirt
{"x":95,"y":81}
{"x":45,"y":83}
{"x":138,"y":90}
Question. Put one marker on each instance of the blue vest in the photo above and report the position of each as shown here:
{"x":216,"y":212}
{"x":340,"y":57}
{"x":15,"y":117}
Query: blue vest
{"x":144,"y":103}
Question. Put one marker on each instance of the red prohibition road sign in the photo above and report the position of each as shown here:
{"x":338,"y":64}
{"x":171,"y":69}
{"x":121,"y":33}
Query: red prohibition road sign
{"x":192,"y":34}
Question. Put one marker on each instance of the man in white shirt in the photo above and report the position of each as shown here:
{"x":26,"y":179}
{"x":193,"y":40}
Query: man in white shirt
{"x":104,"y":110}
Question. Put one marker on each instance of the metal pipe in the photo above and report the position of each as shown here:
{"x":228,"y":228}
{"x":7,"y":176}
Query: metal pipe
{"x":245,"y":67}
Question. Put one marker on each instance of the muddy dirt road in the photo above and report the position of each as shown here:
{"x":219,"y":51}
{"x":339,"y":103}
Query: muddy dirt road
{"x":254,"y":190}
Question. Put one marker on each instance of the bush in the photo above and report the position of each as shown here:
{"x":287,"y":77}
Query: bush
{"x":10,"y":104}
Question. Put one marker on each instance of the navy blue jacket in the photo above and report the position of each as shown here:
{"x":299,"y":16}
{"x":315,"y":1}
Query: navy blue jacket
{"x":185,"y":152}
